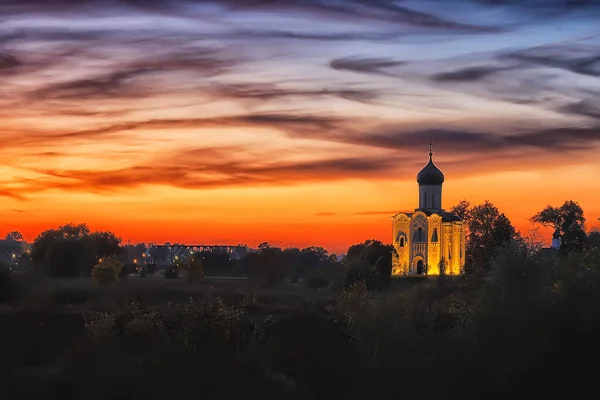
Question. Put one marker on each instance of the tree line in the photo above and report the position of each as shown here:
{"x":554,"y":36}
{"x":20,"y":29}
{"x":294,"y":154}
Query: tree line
{"x":74,"y":251}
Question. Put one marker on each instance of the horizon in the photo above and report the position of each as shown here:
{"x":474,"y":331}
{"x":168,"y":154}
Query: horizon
{"x":297,"y":122}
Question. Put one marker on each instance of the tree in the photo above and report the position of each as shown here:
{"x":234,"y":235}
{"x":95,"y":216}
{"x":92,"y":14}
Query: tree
{"x":72,"y":250}
{"x":107,"y":271}
{"x":194,"y":268}
{"x":376,"y":254}
{"x":11,"y":247}
{"x":488,"y":231}
{"x":533,"y":241}
{"x":569,"y":221}
{"x":593,"y":239}
{"x":462,"y":209}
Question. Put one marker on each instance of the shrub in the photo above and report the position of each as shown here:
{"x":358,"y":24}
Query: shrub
{"x":107,"y":271}
{"x":172,"y":272}
{"x":151,"y":268}
{"x":128,"y":269}
{"x":8,"y":287}
{"x":316,"y":282}
{"x":194,"y":269}
{"x":72,"y":296}
{"x":361,"y":271}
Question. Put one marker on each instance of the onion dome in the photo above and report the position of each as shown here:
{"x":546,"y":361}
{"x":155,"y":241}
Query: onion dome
{"x":430,"y":175}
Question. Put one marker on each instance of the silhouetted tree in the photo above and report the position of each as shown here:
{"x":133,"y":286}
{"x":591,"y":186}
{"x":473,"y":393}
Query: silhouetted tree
{"x":72,"y":250}
{"x":568,"y":219}
{"x":488,"y":231}
{"x":593,"y":239}
{"x":11,"y":247}
{"x":462,"y":209}
{"x":376,"y":254}
{"x":107,"y":271}
{"x":268,"y":265}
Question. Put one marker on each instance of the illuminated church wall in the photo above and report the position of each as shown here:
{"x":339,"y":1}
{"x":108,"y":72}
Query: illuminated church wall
{"x":427,"y":235}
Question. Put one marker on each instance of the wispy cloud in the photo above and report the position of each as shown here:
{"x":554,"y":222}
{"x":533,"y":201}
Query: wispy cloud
{"x":347,"y":77}
{"x":365,"y":65}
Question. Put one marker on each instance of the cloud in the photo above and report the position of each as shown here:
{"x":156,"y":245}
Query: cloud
{"x":586,"y":108}
{"x":113,"y":85}
{"x":365,"y":65}
{"x":358,"y":213}
{"x":468,"y":74}
{"x":134,"y":79}
{"x":261,"y":92}
{"x":578,"y":59}
{"x":210,"y":168}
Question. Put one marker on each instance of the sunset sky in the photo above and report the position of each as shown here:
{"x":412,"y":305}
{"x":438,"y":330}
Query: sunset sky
{"x":302,"y":122}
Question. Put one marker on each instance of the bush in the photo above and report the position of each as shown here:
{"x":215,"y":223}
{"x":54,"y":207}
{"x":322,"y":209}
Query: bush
{"x":127,"y":270}
{"x":316,"y":282}
{"x":171,"y":273}
{"x":72,"y":296}
{"x":107,"y":271}
{"x":8,"y":287}
{"x":194,"y":269}
{"x":363,"y":272}
{"x":151,"y":268}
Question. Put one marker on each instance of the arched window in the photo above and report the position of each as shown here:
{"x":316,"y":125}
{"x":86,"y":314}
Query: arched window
{"x":402,"y":241}
{"x":434,"y":236}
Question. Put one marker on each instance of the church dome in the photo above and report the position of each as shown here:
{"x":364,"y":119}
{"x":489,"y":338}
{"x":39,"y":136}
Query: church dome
{"x":430,"y":175}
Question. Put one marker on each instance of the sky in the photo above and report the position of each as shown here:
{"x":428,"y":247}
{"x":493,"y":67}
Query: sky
{"x":298,"y":122}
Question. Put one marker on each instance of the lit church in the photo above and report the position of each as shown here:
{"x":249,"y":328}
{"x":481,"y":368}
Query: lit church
{"x":429,"y":234}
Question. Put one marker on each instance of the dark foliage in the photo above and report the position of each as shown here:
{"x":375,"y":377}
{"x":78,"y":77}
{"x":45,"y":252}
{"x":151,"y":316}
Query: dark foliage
{"x":71,"y":297}
{"x":361,"y":271}
{"x":171,"y":272}
{"x":369,"y":262}
{"x":316,"y":282}
{"x":9,"y":289}
{"x":525,"y":325}
{"x":72,"y":250}
{"x":569,"y":221}
{"x":488,"y":231}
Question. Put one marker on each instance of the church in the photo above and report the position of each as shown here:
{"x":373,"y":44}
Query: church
{"x":428,"y":237}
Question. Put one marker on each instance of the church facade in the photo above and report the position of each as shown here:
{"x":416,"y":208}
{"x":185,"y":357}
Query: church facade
{"x":428,"y":237}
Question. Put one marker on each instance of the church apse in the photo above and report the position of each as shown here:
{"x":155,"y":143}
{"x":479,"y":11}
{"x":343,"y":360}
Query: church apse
{"x":426,"y":236}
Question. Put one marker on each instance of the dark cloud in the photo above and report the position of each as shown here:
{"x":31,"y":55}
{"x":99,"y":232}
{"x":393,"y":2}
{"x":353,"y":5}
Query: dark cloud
{"x":367,"y":10}
{"x":292,"y":124}
{"x":462,"y":141}
{"x":217,"y":167}
{"x":314,"y":36}
{"x":583,"y":60}
{"x":8,"y":61}
{"x":358,"y":213}
{"x":469,"y":74}
{"x":586,"y":108}
{"x":261,"y":92}
{"x":114,"y":85}
{"x":365,"y":65}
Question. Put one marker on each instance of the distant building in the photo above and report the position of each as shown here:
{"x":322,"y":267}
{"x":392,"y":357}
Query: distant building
{"x":429,"y":234}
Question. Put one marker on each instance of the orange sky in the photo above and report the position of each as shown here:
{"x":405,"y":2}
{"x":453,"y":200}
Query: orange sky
{"x":301,"y":123}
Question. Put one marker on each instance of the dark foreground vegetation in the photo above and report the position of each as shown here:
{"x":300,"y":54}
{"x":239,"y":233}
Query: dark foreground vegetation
{"x":528,"y":326}
{"x":520,"y":322}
